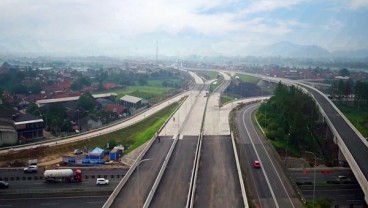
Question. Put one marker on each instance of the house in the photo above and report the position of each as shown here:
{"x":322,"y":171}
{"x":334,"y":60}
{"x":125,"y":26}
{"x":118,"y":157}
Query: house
{"x":129,"y":101}
{"x":116,"y":111}
{"x":29,"y":127}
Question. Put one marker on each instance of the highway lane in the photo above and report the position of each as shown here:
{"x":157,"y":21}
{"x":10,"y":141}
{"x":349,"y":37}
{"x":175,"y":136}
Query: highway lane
{"x":137,"y":188}
{"x":55,"y":202}
{"x":270,"y":185}
{"x":218,"y":183}
{"x":18,"y":180}
{"x":174,"y":186}
{"x":355,"y":145}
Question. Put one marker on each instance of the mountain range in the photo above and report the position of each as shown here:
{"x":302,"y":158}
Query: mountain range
{"x":288,"y":49}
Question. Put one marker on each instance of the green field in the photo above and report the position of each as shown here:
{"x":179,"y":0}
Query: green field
{"x":247,"y":78}
{"x":153,"y":89}
{"x":208,"y":75}
{"x":218,"y":83}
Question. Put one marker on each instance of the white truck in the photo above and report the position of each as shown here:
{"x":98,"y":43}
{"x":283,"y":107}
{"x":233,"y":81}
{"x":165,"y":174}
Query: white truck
{"x":62,"y":175}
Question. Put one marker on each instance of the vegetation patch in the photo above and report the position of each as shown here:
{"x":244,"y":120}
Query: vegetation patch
{"x":248,"y":78}
{"x":208,"y":75}
{"x":357,"y":116}
{"x":217,"y":83}
{"x":290,"y":128}
{"x":132,"y":137}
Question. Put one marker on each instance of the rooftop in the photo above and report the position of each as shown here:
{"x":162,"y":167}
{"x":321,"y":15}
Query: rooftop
{"x":67,"y":99}
{"x":131,"y":99}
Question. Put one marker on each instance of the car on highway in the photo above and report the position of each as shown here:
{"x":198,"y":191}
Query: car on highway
{"x":343,"y":179}
{"x":102,"y":181}
{"x":257,"y":164}
{"x":31,"y":169}
{"x":4,"y":185}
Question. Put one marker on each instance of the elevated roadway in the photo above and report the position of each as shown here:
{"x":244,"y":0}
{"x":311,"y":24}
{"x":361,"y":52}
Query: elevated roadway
{"x":352,"y":144}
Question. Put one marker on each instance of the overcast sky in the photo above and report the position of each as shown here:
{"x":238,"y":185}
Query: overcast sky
{"x":181,"y":27}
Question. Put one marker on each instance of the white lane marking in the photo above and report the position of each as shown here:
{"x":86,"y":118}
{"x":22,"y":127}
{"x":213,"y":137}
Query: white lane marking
{"x":48,"y":204}
{"x":263,"y":170}
{"x":273,"y":166}
{"x":181,"y":137}
{"x":96,"y":202}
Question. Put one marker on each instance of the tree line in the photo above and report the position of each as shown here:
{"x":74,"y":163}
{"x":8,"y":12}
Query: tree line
{"x":288,"y":118}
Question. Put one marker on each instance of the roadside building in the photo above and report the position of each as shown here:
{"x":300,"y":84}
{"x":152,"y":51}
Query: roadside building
{"x":29,"y":127}
{"x":8,"y":134}
{"x":116,"y":153}
{"x":129,"y":101}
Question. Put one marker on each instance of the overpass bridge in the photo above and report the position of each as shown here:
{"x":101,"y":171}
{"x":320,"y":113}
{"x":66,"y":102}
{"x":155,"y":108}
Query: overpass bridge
{"x":351,"y":142}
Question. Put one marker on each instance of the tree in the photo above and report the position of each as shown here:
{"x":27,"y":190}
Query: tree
{"x":86,"y":101}
{"x":33,"y":109}
{"x":344,"y":72}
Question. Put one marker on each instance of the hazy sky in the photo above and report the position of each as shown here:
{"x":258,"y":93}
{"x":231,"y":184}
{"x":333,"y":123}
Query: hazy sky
{"x":181,"y":27}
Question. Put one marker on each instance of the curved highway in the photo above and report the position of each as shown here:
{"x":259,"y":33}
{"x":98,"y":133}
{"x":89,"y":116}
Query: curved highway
{"x":269,"y":184}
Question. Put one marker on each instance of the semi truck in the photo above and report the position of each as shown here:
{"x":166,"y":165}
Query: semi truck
{"x":62,"y":175}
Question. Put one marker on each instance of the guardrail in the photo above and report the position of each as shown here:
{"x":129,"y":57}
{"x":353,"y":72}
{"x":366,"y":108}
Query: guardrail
{"x":160,"y":173}
{"x":242,"y":188}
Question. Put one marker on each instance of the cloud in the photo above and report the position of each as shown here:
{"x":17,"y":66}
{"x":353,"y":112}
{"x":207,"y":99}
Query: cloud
{"x":125,"y":26}
{"x":357,"y":4}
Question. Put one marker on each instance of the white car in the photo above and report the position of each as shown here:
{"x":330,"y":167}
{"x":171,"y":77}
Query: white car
{"x":31,"y":169}
{"x":102,"y":181}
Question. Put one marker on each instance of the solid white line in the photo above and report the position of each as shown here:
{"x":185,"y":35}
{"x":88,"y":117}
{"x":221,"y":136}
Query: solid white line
{"x":263,"y":170}
{"x":273,"y":166}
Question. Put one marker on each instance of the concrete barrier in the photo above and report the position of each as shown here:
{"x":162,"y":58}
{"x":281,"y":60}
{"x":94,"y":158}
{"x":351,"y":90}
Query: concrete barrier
{"x":245,"y":199}
{"x":160,"y":173}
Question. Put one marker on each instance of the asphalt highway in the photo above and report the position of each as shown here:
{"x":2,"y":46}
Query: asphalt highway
{"x":218,"y":183}
{"x":174,"y":186}
{"x":137,"y":188}
{"x":269,"y":185}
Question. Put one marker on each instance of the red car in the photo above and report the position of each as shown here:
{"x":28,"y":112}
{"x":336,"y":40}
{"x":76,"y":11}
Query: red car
{"x":256,"y":164}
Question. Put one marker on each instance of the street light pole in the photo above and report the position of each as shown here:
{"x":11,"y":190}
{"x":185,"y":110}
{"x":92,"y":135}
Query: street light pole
{"x":314,"y":177}
{"x":144,"y":160}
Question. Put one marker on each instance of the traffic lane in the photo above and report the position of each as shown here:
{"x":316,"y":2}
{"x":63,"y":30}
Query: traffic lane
{"x":55,"y":202}
{"x":136,"y":189}
{"x":174,"y":185}
{"x":255,"y":178}
{"x":20,"y":180}
{"x":341,"y":197}
{"x":85,"y":171}
{"x":279,"y":184}
{"x":352,"y":141}
{"x":218,"y":183}
{"x":322,"y":175}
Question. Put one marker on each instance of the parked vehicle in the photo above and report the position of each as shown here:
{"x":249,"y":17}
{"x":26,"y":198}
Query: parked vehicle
{"x":63,"y":175}
{"x":102,"y":181}
{"x":4,"y":185}
{"x":78,"y":152}
{"x":31,"y":169}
